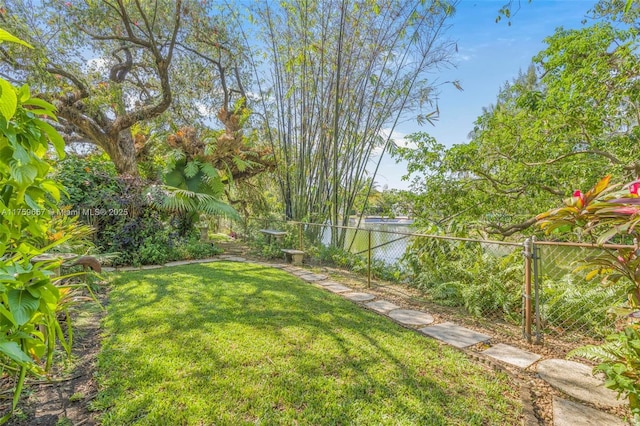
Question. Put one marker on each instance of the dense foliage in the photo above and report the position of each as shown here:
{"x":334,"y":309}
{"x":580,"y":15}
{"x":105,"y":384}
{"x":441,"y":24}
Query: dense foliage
{"x":571,"y":118}
{"x":128,"y":223}
{"x":29,"y":301}
{"x":605,"y":213}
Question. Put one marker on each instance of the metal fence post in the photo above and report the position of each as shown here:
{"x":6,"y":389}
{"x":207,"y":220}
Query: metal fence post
{"x":535,"y":257}
{"x":526,"y":296}
{"x":301,"y":242}
{"x":369,"y":262}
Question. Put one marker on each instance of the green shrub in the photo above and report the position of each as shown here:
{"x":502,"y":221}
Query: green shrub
{"x":30,"y":302}
{"x":487,"y":282}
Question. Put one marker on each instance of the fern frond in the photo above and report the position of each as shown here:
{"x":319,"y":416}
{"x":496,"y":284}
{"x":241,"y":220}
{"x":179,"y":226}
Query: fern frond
{"x":608,"y":351}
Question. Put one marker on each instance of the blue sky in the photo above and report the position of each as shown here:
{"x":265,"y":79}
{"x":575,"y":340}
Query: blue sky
{"x":489,"y":54}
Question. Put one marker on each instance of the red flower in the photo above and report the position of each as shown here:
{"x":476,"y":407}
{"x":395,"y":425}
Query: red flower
{"x":578,"y":198}
{"x":634,"y":187}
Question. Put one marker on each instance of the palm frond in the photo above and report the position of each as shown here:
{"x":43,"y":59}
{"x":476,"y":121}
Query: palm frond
{"x":185,"y":201}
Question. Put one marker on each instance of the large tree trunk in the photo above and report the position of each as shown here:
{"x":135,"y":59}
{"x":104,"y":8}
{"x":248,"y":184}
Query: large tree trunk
{"x":122,"y":152}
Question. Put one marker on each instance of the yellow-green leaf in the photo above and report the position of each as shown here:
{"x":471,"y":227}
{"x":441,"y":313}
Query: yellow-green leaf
{"x":7,"y":36}
{"x":8,"y":99}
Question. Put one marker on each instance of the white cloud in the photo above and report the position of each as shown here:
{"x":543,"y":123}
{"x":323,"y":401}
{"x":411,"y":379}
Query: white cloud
{"x":398,"y":138}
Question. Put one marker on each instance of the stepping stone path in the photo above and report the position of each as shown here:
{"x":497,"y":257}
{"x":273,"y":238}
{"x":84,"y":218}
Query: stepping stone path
{"x":572,"y":378}
{"x":178,"y":263}
{"x":455,"y":335}
{"x":327,"y":283}
{"x":359,"y":297}
{"x":209,"y":260}
{"x":279,"y":265}
{"x":382,"y":306}
{"x":512,"y":355}
{"x":568,"y":413}
{"x":337,"y":288}
{"x":409,"y":317}
{"x":233,"y":258}
{"x":575,"y":379}
{"x":108,"y":269}
{"x":147,"y":267}
{"x":313,"y":277}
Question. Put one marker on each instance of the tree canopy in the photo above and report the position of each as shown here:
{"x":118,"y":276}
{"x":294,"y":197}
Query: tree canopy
{"x":114,"y":68}
{"x":569,"y":120}
{"x":338,"y":73}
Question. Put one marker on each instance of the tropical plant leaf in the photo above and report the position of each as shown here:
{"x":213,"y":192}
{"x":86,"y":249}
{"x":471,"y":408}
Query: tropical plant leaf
{"x":8,"y":100}
{"x":13,"y":351}
{"x":7,"y":36}
{"x":22,"y":305}
{"x":54,"y":137}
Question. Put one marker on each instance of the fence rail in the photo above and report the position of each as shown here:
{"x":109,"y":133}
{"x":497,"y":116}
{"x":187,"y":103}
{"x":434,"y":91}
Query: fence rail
{"x":531,"y":284}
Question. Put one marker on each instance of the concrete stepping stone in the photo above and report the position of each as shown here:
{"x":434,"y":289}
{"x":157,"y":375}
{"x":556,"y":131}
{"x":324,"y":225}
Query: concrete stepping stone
{"x":454,"y":334}
{"x":512,"y":355}
{"x":328,"y":283}
{"x":108,"y":269}
{"x":575,"y":379}
{"x":313,"y":277}
{"x":568,"y":413}
{"x":337,"y":288}
{"x":359,"y":297}
{"x":207,"y":260}
{"x":409,"y":317}
{"x":128,"y":268}
{"x":233,"y":258}
{"x":382,"y":306}
{"x":147,"y":267}
{"x":279,"y":265}
{"x":178,"y":263}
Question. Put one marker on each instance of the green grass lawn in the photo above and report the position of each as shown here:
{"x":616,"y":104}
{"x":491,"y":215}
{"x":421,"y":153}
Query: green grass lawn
{"x":235,"y":343}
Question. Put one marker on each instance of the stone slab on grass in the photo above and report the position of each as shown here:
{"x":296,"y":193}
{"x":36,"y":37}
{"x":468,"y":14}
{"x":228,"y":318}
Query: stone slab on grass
{"x":575,"y":379}
{"x":327,"y":283}
{"x":280,"y":265}
{"x":512,"y":355}
{"x":313,"y":277}
{"x":233,"y":258}
{"x":382,"y":306}
{"x":410,"y":317}
{"x":128,"y":268}
{"x":359,"y":297}
{"x":207,"y":260}
{"x":178,"y":263}
{"x":147,"y":267}
{"x":568,"y":413}
{"x":454,"y":334}
{"x":108,"y":269}
{"x":337,"y":288}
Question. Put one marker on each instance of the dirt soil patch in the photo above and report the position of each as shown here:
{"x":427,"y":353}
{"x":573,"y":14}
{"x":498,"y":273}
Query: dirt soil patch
{"x":63,"y":398}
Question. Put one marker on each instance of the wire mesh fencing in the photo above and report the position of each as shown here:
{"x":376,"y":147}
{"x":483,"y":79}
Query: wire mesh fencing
{"x":570,"y":305}
{"x":535,"y":287}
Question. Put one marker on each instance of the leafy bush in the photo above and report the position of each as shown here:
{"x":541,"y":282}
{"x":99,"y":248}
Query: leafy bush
{"x":462,"y":273}
{"x":128,"y":223}
{"x":573,"y":304}
{"x":29,"y":301}
{"x":606,"y":213}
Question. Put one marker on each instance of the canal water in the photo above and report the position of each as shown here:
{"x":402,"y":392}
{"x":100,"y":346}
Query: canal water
{"x":387,"y":242}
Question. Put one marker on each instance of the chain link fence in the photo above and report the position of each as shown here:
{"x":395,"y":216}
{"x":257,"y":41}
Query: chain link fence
{"x":534,"y":287}
{"x":569,"y":305}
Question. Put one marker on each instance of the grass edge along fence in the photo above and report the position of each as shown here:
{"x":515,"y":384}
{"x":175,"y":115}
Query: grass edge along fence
{"x":532,"y":284}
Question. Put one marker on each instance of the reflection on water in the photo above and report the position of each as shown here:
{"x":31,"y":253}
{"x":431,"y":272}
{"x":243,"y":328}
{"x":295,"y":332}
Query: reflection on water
{"x":386,"y":243}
